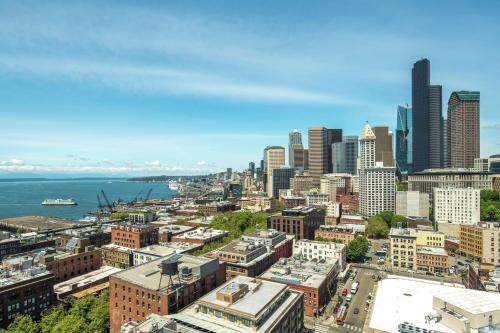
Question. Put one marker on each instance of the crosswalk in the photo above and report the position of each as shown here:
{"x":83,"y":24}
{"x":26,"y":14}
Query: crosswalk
{"x":353,"y":328}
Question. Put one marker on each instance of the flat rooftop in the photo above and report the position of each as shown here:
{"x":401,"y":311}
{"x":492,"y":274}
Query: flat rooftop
{"x":400,"y":299}
{"x":116,"y":247}
{"x":438,"y":251}
{"x":149,"y":275}
{"x":99,"y":274}
{"x":202,"y":233}
{"x":307,"y":273}
{"x":402,"y":232}
{"x":155,"y":250}
{"x":11,"y":277}
{"x":175,"y":229}
{"x":181,"y":247}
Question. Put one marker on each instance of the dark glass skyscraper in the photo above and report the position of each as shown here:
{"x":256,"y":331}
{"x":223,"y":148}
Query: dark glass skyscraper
{"x":281,"y":180}
{"x":345,"y":155}
{"x":333,"y":135}
{"x":404,"y":154}
{"x":426,"y":118}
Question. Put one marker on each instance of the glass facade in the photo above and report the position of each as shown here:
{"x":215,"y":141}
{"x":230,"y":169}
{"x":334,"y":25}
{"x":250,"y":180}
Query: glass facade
{"x":344,"y":155}
{"x":404,"y":139}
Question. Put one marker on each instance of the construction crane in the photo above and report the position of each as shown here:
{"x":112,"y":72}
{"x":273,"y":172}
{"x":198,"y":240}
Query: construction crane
{"x":148,"y":194}
{"x":108,"y":204}
{"x":137,"y":196}
{"x":99,"y":203}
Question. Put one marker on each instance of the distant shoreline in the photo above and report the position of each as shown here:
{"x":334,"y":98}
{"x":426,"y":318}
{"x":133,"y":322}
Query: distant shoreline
{"x":59,"y":179}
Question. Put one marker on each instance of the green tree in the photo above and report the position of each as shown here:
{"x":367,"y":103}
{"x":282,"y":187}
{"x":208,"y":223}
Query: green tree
{"x":377,"y":227}
{"x":357,"y":248}
{"x":98,"y":316}
{"x":118,"y":216}
{"x":490,"y":213}
{"x":23,"y":324}
{"x":398,"y":219}
{"x":72,"y":323}
{"x":278,"y":205}
{"x":402,"y":186}
{"x":386,"y":216}
{"x":490,"y":205}
{"x":51,"y":317}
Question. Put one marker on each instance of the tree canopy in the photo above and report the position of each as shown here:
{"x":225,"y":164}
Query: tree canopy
{"x":357,"y":248}
{"x":89,"y":314}
{"x":490,"y":205}
{"x":377,"y":227}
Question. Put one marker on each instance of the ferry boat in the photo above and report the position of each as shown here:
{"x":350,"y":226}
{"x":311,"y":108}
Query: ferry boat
{"x":174,"y":186}
{"x":59,"y":202}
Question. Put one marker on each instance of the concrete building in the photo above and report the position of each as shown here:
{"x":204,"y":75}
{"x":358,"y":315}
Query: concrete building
{"x":201,"y":235}
{"x":162,"y":286}
{"x":153,"y":324}
{"x":333,"y":213}
{"x":321,"y":251}
{"x":481,"y":164}
{"x":316,"y":198}
{"x":141,"y":217}
{"x":134,"y":236}
{"x":383,"y":146}
{"x":345,"y":233}
{"x":301,"y":183}
{"x":245,"y":305}
{"x":403,"y":244}
{"x":274,"y":158}
{"x":252,"y":254}
{"x":328,"y":185}
{"x":149,"y":253}
{"x":306,"y":159}
{"x":481,"y":242}
{"x":166,"y":232}
{"x":295,"y":150}
{"x":318,"y":153}
{"x":456,"y":205}
{"x":28,"y":291}
{"x":293,"y":201}
{"x":256,"y":203}
{"x":412,"y":203}
{"x":377,"y":182}
{"x":299,"y":221}
{"x":432,"y":306}
{"x":426,"y":180}
{"x":216,"y":207}
{"x":316,"y":279}
{"x":281,"y":179}
{"x":86,"y":284}
{"x":116,"y":256}
{"x":463,"y":129}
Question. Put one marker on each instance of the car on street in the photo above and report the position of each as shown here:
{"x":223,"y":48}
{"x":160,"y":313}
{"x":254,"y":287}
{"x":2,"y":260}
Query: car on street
{"x":344,"y":292}
{"x":356,"y":310}
{"x":348,"y":298}
{"x":460,"y":263}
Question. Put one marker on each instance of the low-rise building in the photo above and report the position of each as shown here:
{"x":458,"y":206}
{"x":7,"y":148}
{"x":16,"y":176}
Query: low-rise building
{"x":315,"y":198}
{"x":149,"y":253}
{"x":431,"y":259}
{"x":321,"y":251}
{"x":481,"y":242}
{"x":299,"y":221}
{"x":202,"y":235}
{"x":28,"y":292}
{"x":154,"y":323}
{"x":316,"y":279}
{"x":183,"y":247}
{"x":165,"y":233}
{"x":293,"y":201}
{"x":86,"y":284}
{"x":403,"y":246}
{"x":352,"y":219}
{"x":245,"y":305}
{"x":162,"y":286}
{"x":253,"y":254}
{"x":256,"y":203}
{"x":345,"y":233}
{"x":141,"y":217}
{"x":134,"y":236}
{"x":333,"y":213}
{"x":301,"y":183}
{"x":116,"y":256}
{"x":97,"y":236}
{"x":432,"y":306}
{"x":349,"y":202}
{"x":216,"y":207}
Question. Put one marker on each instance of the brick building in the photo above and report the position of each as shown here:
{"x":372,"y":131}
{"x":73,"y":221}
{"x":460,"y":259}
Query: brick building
{"x":431,"y":259}
{"x":299,"y":221}
{"x":142,"y":290}
{"x":134,"y":236}
{"x":344,"y":233}
{"x":116,"y":256}
{"x":215,"y":208}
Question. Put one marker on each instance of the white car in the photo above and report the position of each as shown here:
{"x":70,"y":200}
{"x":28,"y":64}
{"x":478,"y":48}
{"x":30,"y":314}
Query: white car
{"x":348,"y":297}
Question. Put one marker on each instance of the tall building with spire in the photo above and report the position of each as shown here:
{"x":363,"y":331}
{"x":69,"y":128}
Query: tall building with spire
{"x":295,"y":150}
{"x":463,"y":129}
{"x":377,"y":185}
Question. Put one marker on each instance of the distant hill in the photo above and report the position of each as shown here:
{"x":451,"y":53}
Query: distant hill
{"x":165,"y":178}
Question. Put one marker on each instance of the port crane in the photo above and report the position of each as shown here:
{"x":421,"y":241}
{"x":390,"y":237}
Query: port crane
{"x":108,"y":204}
{"x":148,"y":194}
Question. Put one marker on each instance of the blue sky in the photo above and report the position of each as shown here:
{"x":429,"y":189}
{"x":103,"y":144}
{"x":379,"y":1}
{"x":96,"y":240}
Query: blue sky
{"x":164,"y":87}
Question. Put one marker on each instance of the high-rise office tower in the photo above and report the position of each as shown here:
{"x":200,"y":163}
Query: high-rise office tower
{"x":274,"y":158}
{"x":333,"y":135}
{"x":426,"y":119}
{"x":345,"y":154}
{"x":445,"y":143}
{"x":295,"y":150}
{"x":383,"y":146}
{"x":404,"y":139}
{"x":463,"y":129}
{"x":229,"y":174}
{"x":281,"y":179}
{"x":251,"y":168}
{"x":318,"y":153}
{"x":377,"y":186}
{"x":306,"y":159}
{"x":435,"y":127}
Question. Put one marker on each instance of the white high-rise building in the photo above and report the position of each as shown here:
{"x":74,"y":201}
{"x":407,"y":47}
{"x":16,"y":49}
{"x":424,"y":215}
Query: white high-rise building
{"x":328,"y":185}
{"x":377,"y":184}
{"x":456,"y":205}
{"x":412,"y":203}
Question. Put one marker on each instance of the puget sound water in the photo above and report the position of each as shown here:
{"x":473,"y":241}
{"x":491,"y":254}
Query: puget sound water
{"x":21,"y":198}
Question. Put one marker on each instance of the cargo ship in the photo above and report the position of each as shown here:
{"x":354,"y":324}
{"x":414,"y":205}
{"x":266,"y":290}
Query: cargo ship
{"x":59,"y":202}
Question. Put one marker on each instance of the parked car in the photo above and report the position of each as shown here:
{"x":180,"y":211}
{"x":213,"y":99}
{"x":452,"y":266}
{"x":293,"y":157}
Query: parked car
{"x":348,"y":298}
{"x":460,"y":263}
{"x":344,"y":292}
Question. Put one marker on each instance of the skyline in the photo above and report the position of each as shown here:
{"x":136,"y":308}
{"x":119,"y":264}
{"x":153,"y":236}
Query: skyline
{"x":192,"y":88}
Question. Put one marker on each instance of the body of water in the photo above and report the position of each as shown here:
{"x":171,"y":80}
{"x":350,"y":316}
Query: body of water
{"x":20,"y":198}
